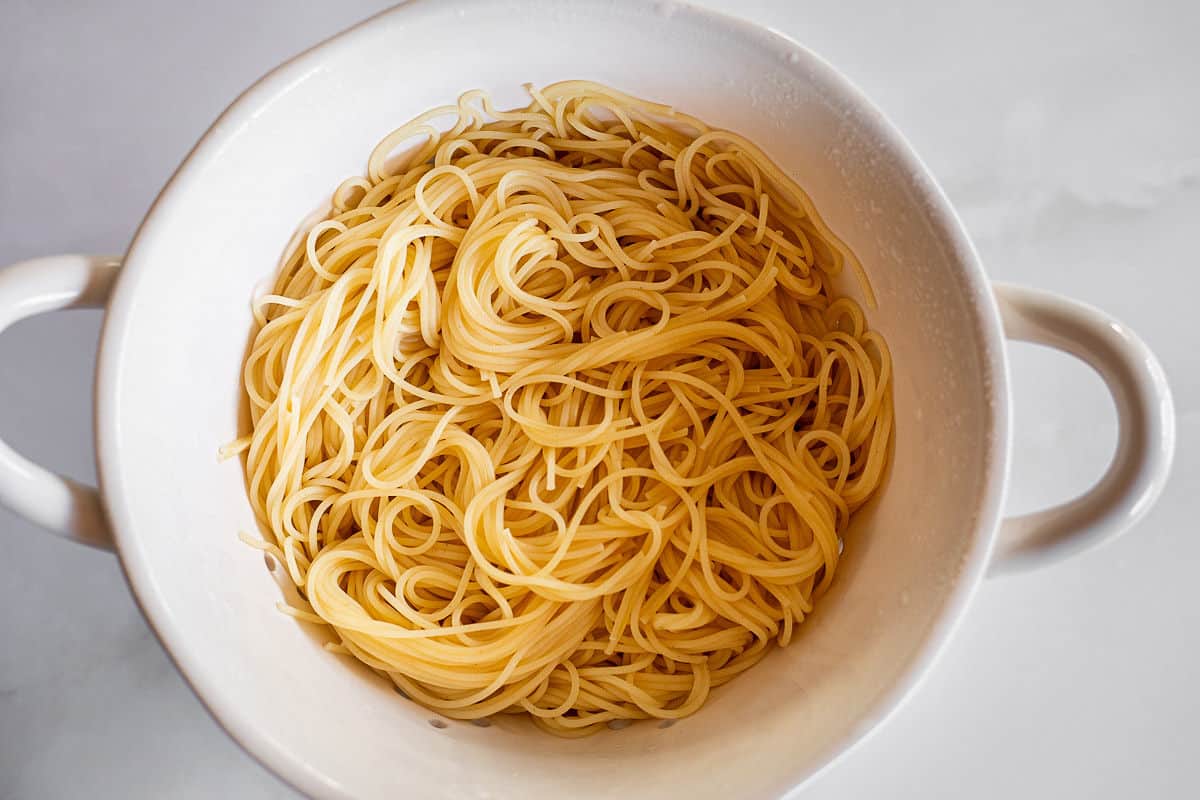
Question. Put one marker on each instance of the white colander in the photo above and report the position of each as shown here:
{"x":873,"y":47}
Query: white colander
{"x":179,"y":321}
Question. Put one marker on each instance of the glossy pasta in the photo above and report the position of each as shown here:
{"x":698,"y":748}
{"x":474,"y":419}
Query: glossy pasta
{"x":558,"y":413}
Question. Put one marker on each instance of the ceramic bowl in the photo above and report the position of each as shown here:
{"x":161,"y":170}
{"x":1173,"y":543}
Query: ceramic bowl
{"x":178,"y":322}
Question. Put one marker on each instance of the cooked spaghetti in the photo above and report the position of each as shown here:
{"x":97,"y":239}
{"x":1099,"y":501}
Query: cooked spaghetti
{"x":558,"y":413}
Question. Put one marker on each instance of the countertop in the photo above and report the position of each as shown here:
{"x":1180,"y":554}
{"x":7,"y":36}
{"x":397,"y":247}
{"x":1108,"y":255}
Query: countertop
{"x":1067,"y":133}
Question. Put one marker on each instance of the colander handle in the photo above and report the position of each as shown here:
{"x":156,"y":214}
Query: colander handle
{"x":1145,"y":415}
{"x":57,"y":503}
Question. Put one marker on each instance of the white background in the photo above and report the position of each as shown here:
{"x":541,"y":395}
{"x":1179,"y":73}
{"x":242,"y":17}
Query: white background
{"x":1066,"y":132}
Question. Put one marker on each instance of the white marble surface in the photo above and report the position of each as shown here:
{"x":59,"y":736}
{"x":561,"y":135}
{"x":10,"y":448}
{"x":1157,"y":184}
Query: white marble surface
{"x":1067,"y":132}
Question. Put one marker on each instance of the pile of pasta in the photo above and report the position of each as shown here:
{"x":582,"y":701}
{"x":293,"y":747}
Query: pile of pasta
{"x":557,"y":412}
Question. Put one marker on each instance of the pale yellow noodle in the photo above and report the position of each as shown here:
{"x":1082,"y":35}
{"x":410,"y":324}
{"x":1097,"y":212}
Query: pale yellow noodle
{"x":558,"y":414}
